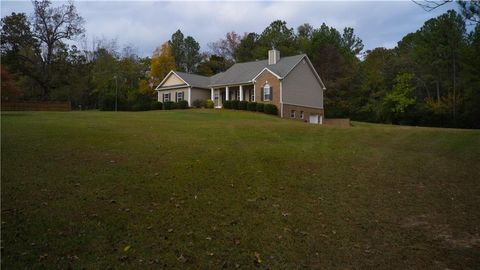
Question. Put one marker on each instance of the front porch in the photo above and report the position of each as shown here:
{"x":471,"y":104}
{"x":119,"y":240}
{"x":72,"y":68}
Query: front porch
{"x":238,"y":92}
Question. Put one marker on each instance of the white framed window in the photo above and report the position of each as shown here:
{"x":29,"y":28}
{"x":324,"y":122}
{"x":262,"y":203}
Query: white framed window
{"x":166,"y":97}
{"x":267,"y":92}
{"x":293,"y":114}
{"x":237,"y":94}
{"x":302,"y":116}
{"x":179,"y":96}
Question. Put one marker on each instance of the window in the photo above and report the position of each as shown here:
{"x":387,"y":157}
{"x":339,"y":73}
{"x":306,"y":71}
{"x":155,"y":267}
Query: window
{"x":267,"y":92}
{"x":237,"y":95}
{"x":301,"y":115}
{"x":252,"y":95}
{"x":179,"y":96}
{"x":166,"y":97}
{"x":293,"y":114}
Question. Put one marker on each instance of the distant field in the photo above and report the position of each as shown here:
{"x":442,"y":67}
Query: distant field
{"x":214,"y":189}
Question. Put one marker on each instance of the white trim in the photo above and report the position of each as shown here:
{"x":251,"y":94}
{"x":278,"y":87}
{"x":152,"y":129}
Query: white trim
{"x":278,"y":77}
{"x":304,"y":106}
{"x":166,"y":77}
{"x":212,"y":94}
{"x":227,"y":93}
{"x":173,"y":87}
{"x":281,"y":99}
{"x":189,"y":96}
{"x":254,"y":92}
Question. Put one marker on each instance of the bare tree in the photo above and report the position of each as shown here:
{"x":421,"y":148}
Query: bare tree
{"x":469,"y":9}
{"x":51,"y":25}
{"x":226,"y":47}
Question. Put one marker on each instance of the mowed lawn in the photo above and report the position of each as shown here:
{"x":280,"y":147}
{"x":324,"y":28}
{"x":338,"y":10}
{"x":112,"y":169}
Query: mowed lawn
{"x":212,"y":189}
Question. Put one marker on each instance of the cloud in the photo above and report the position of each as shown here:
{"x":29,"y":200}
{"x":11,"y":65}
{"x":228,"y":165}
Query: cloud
{"x":148,"y":24}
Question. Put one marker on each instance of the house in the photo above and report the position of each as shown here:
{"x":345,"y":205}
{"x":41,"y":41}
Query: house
{"x":291,"y":83}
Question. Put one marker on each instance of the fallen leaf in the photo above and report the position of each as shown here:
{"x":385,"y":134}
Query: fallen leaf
{"x":126,"y":248}
{"x":257,"y":258}
{"x":181,"y":258}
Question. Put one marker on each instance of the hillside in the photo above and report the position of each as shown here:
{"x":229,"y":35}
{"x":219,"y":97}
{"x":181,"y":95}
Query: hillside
{"x":210,"y":188}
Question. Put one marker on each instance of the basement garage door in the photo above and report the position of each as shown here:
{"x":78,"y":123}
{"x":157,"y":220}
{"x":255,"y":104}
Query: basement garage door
{"x":313,"y":119}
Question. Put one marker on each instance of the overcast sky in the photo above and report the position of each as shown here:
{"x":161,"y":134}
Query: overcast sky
{"x":146,"y":24}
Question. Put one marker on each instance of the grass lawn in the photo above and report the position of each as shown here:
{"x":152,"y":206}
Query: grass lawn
{"x":214,"y":189}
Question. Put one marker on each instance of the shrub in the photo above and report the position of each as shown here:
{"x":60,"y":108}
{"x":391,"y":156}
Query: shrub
{"x":106,"y":102}
{"x":227,"y":104}
{"x":140,"y":107}
{"x":252,"y":106}
{"x":242,"y":105}
{"x":259,"y":107}
{"x":235,"y":104}
{"x":182,"y":104}
{"x":156,"y":105}
{"x":197,"y":103}
{"x":209,"y":104}
{"x":169,"y":105}
{"x":270,"y":109}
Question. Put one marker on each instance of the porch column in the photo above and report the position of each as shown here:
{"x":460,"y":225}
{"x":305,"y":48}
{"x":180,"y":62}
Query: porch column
{"x":227,"y":94}
{"x":211,"y":94}
{"x":254,"y":94}
{"x":241,"y":92}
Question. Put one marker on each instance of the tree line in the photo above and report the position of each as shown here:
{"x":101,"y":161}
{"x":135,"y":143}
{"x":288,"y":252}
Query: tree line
{"x":431,"y":78}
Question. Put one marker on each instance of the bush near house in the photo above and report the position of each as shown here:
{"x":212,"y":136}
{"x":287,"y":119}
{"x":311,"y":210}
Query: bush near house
{"x":252,"y":106}
{"x":182,"y":104}
{"x":156,"y":105}
{"x":169,"y":105}
{"x":259,"y":107}
{"x":197,"y":103}
{"x":270,"y":109}
{"x":242,"y":105}
{"x":235,"y":104}
{"x":210,"y":104}
{"x":227,"y":104}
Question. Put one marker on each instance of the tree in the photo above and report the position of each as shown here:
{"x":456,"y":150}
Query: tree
{"x":351,"y":42}
{"x":162,"y":63}
{"x":213,"y":64}
{"x":192,"y":54}
{"x":277,"y":35}
{"x":305,"y":31}
{"x":10,"y":91}
{"x":52,"y":25}
{"x":244,"y":51}
{"x":177,"y":45}
{"x":470,"y":9}
{"x":400,"y":99}
{"x":226,"y":47}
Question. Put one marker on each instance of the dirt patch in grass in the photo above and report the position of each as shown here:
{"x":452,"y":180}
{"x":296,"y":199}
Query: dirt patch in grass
{"x":443,"y":232}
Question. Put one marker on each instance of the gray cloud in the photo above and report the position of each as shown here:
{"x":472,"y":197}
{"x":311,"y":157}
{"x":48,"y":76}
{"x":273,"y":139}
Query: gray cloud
{"x":148,"y":24}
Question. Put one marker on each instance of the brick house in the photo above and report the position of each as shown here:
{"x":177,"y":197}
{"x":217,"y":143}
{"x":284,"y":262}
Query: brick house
{"x":291,"y":83}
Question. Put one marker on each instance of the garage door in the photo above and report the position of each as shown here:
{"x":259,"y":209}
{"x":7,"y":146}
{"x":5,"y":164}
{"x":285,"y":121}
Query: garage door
{"x":313,"y":119}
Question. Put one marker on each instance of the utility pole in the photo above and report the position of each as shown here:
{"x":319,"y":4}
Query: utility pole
{"x":116,"y":91}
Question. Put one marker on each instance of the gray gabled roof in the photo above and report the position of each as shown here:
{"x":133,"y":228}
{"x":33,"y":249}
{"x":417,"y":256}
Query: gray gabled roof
{"x":194,"y":80}
{"x":242,"y":73}
{"x":245,"y":72}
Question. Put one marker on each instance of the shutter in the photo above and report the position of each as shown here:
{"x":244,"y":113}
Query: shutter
{"x":271,"y":93}
{"x":176,"y":97}
{"x":261,"y":94}
{"x":183,"y":95}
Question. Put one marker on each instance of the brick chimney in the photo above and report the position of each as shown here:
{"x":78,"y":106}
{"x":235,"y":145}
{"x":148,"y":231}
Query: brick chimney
{"x":273,"y":56}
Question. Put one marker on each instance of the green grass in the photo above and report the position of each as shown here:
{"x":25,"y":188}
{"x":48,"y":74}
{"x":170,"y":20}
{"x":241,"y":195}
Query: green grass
{"x":210,"y":189}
